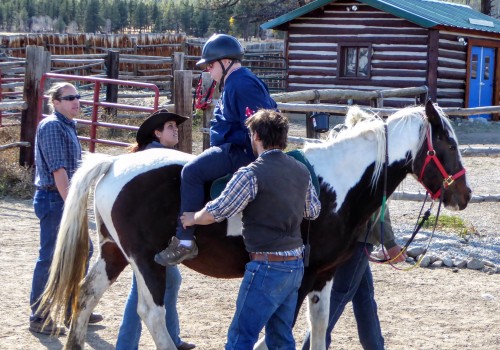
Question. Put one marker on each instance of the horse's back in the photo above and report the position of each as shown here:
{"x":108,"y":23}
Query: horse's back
{"x":139,"y":190}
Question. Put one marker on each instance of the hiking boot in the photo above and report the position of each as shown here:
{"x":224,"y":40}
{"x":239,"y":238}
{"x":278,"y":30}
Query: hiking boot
{"x":95,"y":318}
{"x":51,"y":328}
{"x":176,"y":253}
{"x":186,"y":346}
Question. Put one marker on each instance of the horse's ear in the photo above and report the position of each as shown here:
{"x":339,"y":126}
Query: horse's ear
{"x":432,"y":114}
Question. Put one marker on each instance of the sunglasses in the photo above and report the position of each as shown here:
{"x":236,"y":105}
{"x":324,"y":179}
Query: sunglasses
{"x":70,"y":97}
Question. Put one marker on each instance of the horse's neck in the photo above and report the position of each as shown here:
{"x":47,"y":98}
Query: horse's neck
{"x":345,"y":165}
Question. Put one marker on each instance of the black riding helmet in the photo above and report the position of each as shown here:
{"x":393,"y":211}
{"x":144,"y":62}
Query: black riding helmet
{"x":221,"y":46}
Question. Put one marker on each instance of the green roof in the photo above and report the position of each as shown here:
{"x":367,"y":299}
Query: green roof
{"x":425,"y":13}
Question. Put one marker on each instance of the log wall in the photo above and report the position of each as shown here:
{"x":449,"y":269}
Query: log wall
{"x":399,"y":50}
{"x":403,"y":53}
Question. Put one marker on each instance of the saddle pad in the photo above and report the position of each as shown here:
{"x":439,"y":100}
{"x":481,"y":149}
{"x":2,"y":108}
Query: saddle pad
{"x":219,"y":184}
{"x":299,"y":156}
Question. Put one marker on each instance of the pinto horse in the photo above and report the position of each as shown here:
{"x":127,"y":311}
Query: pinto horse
{"x":136,"y":204}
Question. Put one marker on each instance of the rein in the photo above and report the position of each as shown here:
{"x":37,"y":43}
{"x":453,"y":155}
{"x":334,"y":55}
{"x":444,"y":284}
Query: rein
{"x":448,"y":180}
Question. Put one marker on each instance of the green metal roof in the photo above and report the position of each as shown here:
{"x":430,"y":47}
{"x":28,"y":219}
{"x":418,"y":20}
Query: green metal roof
{"x":425,"y":13}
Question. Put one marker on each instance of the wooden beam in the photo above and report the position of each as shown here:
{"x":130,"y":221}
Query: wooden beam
{"x":37,"y":63}
{"x":432,"y":63}
{"x":183,"y":80}
{"x":14,"y":144}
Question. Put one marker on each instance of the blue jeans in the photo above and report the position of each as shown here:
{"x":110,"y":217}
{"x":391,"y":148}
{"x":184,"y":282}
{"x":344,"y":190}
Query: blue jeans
{"x":130,"y":329}
{"x":353,"y":281}
{"x":213,"y":163}
{"x":267,"y":298}
{"x":48,"y":207}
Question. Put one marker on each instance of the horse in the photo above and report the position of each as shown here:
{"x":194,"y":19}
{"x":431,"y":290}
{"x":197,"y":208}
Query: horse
{"x":136,"y":206}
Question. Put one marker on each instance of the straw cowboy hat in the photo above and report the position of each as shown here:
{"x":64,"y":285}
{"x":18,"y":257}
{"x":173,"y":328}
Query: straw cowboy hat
{"x":155,"y":120}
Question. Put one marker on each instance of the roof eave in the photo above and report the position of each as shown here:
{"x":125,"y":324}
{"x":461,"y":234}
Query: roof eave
{"x":280,"y":22}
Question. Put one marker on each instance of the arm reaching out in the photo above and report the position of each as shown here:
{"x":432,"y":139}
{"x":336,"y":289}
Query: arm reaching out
{"x":202,"y":217}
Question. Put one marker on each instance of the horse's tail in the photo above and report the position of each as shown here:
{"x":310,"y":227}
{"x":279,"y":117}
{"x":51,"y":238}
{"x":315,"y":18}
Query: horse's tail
{"x":72,"y":246}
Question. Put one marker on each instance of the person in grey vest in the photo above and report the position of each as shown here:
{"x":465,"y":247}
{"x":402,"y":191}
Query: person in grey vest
{"x":272,"y":215}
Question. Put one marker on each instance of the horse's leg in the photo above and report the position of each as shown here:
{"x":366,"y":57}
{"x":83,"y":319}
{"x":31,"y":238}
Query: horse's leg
{"x":150,"y":307}
{"x":105,"y":271}
{"x":319,"y":309}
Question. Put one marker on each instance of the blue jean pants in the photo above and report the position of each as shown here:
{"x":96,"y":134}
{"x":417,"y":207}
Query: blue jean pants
{"x":267,"y":298}
{"x":353,"y":281}
{"x":211,"y":164}
{"x":48,"y":207}
{"x":130,"y":328}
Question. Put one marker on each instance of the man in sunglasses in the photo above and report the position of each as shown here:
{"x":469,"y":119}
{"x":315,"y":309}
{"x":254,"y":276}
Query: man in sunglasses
{"x":57,"y":154}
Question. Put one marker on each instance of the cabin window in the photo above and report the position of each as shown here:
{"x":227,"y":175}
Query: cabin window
{"x":473,"y":73}
{"x":355,"y":60}
{"x":486,"y":68}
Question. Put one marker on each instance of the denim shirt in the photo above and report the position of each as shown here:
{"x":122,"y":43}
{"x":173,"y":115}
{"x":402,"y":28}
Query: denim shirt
{"x":56,"y":147}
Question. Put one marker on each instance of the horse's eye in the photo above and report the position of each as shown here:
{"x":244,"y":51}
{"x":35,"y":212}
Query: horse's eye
{"x":453,"y":147}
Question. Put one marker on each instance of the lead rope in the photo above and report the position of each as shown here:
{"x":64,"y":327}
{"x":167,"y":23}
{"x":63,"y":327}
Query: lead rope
{"x":307,"y":246}
{"x":416,"y":229}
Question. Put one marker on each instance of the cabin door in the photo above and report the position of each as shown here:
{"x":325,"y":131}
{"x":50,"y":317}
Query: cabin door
{"x":481,"y":79}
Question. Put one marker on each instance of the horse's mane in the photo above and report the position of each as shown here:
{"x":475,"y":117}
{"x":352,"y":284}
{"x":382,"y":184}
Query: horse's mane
{"x":359,"y":123}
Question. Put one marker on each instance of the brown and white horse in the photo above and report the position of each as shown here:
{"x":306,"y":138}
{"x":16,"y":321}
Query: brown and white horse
{"x":137,"y":202}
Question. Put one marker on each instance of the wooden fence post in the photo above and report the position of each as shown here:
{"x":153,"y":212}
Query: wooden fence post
{"x":134,"y":46}
{"x":177,"y":64}
{"x":310,"y":131}
{"x":183,"y":81}
{"x":37,"y":64}
{"x":112,"y":63}
{"x":209,"y":111}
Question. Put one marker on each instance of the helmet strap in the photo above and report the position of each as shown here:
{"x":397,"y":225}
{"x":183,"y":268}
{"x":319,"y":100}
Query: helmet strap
{"x":224,"y":73}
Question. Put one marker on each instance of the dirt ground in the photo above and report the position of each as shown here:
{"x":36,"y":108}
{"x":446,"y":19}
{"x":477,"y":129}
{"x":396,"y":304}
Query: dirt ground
{"x":418,"y":309}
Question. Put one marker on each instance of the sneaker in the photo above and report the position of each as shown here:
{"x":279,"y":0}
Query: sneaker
{"x":37,"y":327}
{"x":176,"y":253}
{"x":186,"y":346}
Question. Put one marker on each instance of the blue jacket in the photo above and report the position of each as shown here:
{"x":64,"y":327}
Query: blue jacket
{"x":242,"y":91}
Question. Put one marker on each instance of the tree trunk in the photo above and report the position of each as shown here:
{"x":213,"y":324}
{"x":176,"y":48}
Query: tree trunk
{"x":486,"y":7}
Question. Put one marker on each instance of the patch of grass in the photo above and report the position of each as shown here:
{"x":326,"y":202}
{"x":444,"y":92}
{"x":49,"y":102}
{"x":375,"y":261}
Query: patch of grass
{"x":15,"y":180}
{"x":452,"y":224}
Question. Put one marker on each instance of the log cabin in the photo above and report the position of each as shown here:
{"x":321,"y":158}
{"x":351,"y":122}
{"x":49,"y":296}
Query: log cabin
{"x":389,"y":44}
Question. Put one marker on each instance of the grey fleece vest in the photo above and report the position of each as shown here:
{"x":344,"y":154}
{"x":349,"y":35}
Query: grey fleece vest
{"x":271,"y":222}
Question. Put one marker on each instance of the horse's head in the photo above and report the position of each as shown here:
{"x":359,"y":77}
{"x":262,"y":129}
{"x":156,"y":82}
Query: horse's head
{"x":438,"y":163}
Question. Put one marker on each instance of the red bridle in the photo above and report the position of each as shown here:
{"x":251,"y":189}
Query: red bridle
{"x":447,"y":179}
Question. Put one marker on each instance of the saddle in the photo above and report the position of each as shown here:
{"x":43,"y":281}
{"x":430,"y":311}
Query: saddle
{"x":219,"y":184}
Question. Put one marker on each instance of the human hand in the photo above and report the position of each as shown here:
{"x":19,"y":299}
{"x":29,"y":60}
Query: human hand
{"x":394,"y":254}
{"x":187,"y":219}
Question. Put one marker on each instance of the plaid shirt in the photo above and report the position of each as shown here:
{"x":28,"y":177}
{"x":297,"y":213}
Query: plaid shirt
{"x":56,"y":147}
{"x":242,"y":189}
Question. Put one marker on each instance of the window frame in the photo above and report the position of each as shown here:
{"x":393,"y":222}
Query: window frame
{"x":341,"y":61}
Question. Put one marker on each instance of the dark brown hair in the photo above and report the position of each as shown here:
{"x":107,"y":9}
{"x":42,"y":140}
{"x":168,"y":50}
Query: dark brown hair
{"x":271,"y":126}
